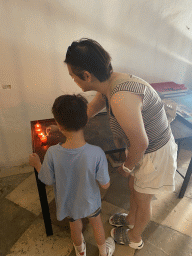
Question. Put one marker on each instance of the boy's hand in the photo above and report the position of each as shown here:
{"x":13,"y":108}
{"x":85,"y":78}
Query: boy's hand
{"x":122,"y":172}
{"x":34,"y":161}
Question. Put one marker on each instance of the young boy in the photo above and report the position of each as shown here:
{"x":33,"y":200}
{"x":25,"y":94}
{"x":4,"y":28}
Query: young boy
{"x":74,"y":168}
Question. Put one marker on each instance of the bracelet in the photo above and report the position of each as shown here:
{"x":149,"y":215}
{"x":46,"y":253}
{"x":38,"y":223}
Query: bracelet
{"x":126,"y":169}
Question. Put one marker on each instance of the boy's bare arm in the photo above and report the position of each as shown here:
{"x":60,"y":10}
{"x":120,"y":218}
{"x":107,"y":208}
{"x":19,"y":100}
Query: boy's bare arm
{"x":106,"y":186}
{"x":96,"y":105}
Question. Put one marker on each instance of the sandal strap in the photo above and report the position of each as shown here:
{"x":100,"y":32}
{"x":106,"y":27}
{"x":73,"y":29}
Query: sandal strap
{"x":120,"y":235}
{"x":119,"y":219}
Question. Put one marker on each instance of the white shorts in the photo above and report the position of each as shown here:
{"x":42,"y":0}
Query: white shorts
{"x":156,"y":171}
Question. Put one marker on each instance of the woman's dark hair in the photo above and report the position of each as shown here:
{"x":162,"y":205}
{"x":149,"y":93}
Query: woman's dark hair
{"x":70,"y":111}
{"x":88,"y":55}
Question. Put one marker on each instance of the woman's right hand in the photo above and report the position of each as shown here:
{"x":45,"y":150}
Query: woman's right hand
{"x":122,"y":172}
{"x":52,"y":128}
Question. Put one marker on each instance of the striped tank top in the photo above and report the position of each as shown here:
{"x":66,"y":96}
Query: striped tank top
{"x":154,"y":116}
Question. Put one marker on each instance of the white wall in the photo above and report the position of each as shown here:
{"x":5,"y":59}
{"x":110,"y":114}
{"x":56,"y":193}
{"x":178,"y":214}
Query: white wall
{"x":151,"y":39}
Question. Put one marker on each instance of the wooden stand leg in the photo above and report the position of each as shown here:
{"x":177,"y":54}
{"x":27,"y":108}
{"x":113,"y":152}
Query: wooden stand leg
{"x":44,"y":205}
{"x":186,"y":180}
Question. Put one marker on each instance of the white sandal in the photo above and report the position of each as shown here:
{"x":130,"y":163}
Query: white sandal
{"x":121,"y":237}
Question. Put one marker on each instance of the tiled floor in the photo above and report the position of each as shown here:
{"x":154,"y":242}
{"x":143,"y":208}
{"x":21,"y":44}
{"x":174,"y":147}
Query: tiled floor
{"x":22,"y":229}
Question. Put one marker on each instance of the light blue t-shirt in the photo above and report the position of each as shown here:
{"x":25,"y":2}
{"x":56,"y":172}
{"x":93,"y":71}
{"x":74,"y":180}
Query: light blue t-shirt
{"x":74,"y":174}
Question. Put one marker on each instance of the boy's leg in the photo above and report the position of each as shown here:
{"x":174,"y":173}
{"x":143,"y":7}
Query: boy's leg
{"x":98,"y":229}
{"x":106,"y":247}
{"x":76,"y":232}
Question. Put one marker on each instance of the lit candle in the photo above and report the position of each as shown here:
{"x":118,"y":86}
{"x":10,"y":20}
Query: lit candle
{"x":38,"y":130}
{"x":37,"y":126}
{"x":40,"y":135}
{"x":43,"y":139}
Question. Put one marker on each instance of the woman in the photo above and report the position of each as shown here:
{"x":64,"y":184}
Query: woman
{"x":138,"y":119}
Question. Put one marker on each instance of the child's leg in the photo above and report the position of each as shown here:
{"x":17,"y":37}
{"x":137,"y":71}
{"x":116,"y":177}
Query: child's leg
{"x":77,"y":237}
{"x":76,"y":232}
{"x":98,"y":229}
{"x":99,"y":233}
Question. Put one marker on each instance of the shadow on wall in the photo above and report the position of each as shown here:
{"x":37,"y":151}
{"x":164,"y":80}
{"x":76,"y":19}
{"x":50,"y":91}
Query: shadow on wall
{"x":5,"y":150}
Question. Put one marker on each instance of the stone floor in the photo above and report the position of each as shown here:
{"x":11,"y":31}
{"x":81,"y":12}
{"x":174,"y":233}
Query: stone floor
{"x":22,"y":229}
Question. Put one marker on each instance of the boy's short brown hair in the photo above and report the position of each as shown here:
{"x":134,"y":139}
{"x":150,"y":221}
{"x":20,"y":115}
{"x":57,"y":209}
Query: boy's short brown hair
{"x":70,"y":111}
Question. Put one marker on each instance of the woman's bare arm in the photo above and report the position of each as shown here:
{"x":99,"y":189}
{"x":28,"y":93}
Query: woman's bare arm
{"x":96,"y":105}
{"x":127,"y":109}
{"x":52,"y":128}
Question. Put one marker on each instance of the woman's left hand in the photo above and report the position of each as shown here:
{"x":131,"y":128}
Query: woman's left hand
{"x":122,"y":172}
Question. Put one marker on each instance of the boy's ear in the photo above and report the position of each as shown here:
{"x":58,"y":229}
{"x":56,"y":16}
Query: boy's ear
{"x":87,"y":76}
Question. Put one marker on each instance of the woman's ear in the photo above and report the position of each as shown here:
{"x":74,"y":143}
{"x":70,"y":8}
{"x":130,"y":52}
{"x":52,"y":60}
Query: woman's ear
{"x":87,"y":76}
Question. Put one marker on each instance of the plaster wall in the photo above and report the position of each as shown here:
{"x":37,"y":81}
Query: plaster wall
{"x":151,"y":39}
